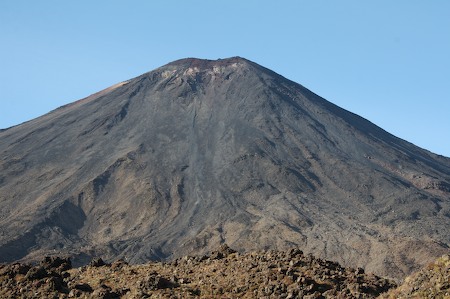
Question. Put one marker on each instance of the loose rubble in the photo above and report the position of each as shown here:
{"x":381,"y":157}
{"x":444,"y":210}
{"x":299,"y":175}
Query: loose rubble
{"x":431,"y":282}
{"x":223,"y":274}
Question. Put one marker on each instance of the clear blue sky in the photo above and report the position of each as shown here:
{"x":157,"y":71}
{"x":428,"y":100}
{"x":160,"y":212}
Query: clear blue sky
{"x":388,"y":61}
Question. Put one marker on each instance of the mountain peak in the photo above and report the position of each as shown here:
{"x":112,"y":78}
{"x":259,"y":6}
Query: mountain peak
{"x":207,"y":63}
{"x":200,"y":152}
{"x":193,"y":71}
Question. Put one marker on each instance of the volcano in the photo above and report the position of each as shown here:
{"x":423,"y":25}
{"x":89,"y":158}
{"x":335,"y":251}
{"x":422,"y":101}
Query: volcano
{"x":202,"y":152}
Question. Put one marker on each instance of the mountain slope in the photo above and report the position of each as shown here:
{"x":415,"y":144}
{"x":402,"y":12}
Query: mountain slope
{"x":199,"y":152}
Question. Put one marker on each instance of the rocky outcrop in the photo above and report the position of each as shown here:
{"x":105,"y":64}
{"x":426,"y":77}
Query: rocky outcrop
{"x":433,"y":281}
{"x":42,"y":280}
{"x":271,"y":274}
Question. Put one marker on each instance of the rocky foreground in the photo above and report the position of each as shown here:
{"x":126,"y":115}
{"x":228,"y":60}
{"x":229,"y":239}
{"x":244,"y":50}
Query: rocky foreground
{"x":431,"y":282}
{"x":223,"y":274}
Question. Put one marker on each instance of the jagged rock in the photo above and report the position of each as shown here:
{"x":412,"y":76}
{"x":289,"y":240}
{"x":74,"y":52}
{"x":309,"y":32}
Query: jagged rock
{"x":156,"y":282}
{"x":84,"y":287}
{"x":97,"y":262}
{"x":118,"y":264}
{"x":226,"y":250}
{"x":55,"y":283}
{"x":74,"y":293}
{"x":56,"y":264}
{"x":35,"y":273}
{"x":104,"y":292}
{"x":14,"y":269}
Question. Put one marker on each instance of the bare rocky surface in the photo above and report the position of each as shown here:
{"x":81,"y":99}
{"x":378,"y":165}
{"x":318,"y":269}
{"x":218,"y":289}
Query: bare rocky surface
{"x":197,"y":153}
{"x":433,"y":281}
{"x":222,"y":274}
